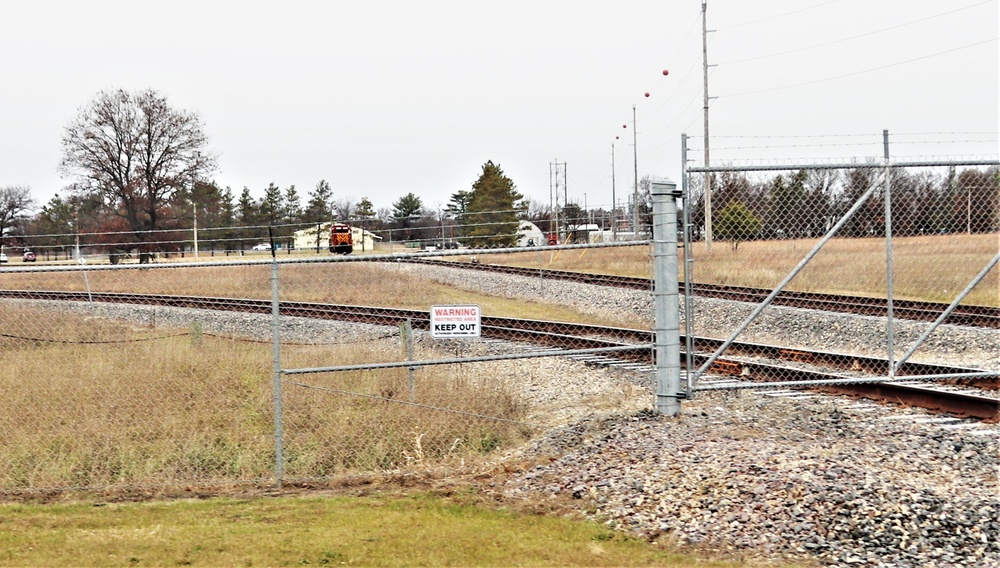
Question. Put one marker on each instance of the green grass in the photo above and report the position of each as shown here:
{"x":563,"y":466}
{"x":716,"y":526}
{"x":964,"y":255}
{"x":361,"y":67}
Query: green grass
{"x":378,"y":530}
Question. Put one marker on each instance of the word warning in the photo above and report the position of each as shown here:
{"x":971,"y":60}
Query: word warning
{"x":455,"y":321}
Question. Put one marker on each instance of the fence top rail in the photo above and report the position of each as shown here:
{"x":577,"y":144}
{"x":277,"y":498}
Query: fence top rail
{"x":837,"y":166}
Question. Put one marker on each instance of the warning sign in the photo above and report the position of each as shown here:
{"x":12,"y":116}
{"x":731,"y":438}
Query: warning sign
{"x":455,"y":321}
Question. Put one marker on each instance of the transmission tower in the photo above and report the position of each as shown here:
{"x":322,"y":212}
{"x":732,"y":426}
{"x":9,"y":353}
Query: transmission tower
{"x":557,"y":175}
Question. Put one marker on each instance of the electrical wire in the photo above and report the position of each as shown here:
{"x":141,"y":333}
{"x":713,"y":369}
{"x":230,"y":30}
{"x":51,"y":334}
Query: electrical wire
{"x":836,"y":41}
{"x":869,"y":70}
{"x":775,"y":17}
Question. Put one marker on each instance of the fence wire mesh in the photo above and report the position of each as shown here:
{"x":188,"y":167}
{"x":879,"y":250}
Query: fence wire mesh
{"x":120,"y":376}
{"x":821,"y":234}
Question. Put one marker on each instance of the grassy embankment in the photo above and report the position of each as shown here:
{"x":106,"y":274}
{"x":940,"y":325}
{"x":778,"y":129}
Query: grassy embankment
{"x":375,"y":530}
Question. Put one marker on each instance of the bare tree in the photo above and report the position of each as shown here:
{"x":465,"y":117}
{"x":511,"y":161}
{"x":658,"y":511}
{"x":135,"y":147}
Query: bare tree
{"x":136,"y":152}
{"x":15,"y":203}
{"x":343,"y":208}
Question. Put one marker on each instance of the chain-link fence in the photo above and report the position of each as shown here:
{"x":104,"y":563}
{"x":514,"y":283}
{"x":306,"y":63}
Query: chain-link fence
{"x":889,"y":260}
{"x":312,"y":365}
{"x":173,"y":373}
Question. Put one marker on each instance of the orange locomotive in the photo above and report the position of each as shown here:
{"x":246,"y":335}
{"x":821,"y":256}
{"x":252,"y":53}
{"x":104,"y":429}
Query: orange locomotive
{"x":341,"y":239}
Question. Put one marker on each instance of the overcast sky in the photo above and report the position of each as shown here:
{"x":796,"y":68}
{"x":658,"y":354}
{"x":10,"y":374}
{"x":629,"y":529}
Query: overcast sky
{"x":383,"y":98}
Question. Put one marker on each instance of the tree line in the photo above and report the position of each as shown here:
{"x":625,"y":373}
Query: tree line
{"x":141,"y":181}
{"x":807,"y":203}
{"x":141,"y":173}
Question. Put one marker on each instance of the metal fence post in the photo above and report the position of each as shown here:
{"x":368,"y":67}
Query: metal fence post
{"x":665,"y":298}
{"x":890,"y":329}
{"x":279,"y":460}
{"x":688,"y":272}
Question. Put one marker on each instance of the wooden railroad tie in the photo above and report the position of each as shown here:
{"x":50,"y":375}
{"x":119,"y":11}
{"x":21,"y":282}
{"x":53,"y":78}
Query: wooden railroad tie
{"x":793,"y":355}
{"x":726,"y":368}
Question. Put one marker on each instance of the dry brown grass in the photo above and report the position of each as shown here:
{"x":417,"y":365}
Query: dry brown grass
{"x":352,"y":283}
{"x":151,"y":407}
{"x":930,"y":268}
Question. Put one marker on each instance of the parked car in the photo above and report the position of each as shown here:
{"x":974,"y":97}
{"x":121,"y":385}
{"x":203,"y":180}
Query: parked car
{"x":3,"y":258}
{"x":262,"y":246}
{"x":29,"y":256}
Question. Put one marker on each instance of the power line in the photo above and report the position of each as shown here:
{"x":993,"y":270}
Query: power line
{"x":775,"y":17}
{"x":869,"y":70}
{"x":818,"y":45}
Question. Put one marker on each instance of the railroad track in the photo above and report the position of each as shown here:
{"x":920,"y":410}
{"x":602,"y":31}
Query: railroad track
{"x":974,"y":316}
{"x":745,"y":361}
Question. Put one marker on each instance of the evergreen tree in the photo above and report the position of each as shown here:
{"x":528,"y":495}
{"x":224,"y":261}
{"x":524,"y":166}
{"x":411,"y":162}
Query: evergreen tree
{"x":60,"y":220}
{"x":736,"y":224}
{"x":246,"y":209}
{"x":365,"y":211}
{"x":319,"y":208}
{"x":458,"y":206}
{"x":247,"y":218}
{"x":404,"y":212}
{"x":492,"y":209}
{"x":212,"y":211}
{"x":293,"y":206}
{"x":365,"y":214}
{"x":227,"y":220}
{"x":405,"y":208}
{"x":270,"y":207}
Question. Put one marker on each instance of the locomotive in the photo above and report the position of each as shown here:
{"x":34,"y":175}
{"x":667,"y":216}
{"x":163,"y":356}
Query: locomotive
{"x":341,"y":239}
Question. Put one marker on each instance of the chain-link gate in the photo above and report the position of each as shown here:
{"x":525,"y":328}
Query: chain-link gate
{"x":880,"y":259}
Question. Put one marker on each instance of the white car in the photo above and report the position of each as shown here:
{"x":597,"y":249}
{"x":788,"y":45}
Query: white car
{"x":262,"y":246}
{"x":3,"y":258}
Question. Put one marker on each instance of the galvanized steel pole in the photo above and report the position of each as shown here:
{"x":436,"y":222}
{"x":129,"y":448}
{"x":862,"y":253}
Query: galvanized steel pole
{"x":279,"y":459}
{"x":890,"y":325}
{"x":688,"y":272}
{"x":665,"y":298}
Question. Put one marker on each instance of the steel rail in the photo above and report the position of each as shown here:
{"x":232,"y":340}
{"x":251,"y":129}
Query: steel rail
{"x":966,"y":315}
{"x":744,"y":360}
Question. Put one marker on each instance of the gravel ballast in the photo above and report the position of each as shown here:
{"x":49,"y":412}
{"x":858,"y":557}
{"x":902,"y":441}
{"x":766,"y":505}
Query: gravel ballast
{"x":772,"y":478}
{"x":751,"y":475}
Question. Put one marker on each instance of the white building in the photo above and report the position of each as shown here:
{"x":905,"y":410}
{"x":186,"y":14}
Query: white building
{"x":529,"y":235}
{"x":306,"y":239}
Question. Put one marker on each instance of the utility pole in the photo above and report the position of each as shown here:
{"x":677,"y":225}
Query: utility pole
{"x":614,"y":203}
{"x":708,"y":176}
{"x":635,"y":180}
{"x":553,"y":206}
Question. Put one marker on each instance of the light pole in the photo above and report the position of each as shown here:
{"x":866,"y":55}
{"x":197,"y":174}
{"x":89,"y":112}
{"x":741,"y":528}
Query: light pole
{"x":195,"y":225}
{"x":76,"y":229}
{"x":194,"y":201}
{"x":635,"y":180}
{"x":614,"y":202}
